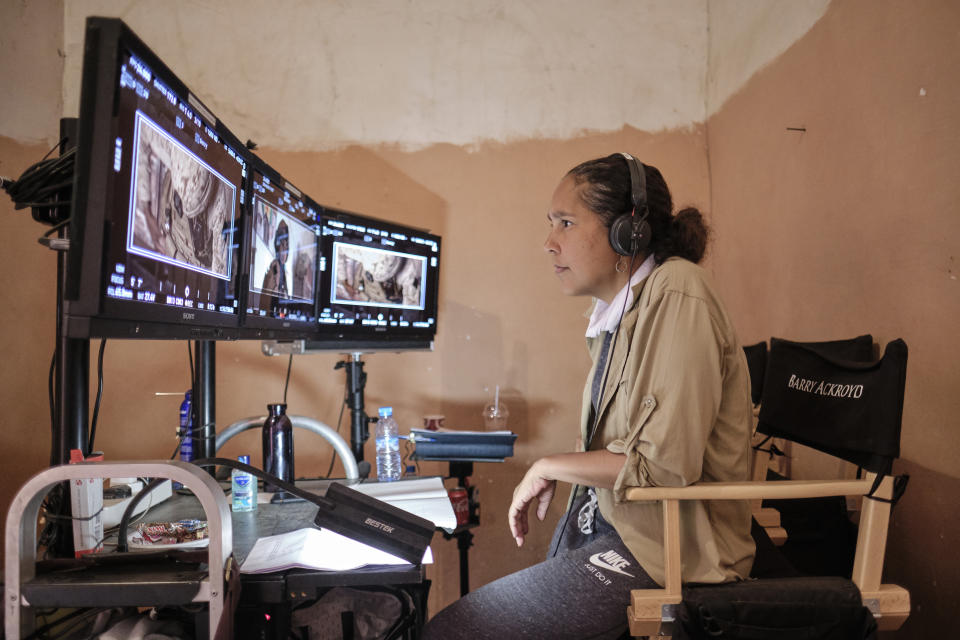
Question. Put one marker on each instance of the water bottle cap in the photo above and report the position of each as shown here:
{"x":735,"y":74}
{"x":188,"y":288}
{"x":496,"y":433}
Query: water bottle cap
{"x":386,"y":411}
{"x":188,"y":394}
{"x":244,"y":459}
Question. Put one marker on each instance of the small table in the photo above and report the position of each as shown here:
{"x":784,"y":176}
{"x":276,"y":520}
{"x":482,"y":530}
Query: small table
{"x":266,"y":599}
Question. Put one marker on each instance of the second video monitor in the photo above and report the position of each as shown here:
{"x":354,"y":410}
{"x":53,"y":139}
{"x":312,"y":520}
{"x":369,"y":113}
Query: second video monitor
{"x":280,"y":276}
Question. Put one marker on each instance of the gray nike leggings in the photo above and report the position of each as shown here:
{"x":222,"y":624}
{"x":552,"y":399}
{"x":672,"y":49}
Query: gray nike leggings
{"x":580,"y":592}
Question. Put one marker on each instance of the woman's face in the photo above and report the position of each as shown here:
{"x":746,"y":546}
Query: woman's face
{"x":578,"y":244}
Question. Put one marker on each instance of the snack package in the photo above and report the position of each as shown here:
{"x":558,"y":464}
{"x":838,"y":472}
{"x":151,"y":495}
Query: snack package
{"x":170,"y":533}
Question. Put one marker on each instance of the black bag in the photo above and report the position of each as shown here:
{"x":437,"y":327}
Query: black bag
{"x":846,"y":408}
{"x":783,"y":609}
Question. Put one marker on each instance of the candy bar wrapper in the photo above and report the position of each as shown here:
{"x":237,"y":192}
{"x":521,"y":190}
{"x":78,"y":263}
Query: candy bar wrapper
{"x":86,"y":503}
{"x":167,"y":533}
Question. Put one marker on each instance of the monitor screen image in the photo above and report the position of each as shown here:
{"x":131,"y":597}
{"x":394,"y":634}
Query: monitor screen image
{"x":285,"y":253}
{"x":282,"y":256}
{"x":181,"y":208}
{"x":159,"y":191}
{"x":377,"y":277}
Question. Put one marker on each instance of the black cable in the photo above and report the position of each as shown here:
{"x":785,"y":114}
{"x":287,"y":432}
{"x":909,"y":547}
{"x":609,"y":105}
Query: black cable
{"x":286,"y":384}
{"x":148,"y":487}
{"x":623,"y":310}
{"x":193,"y":376}
{"x":181,"y":435}
{"x":41,"y":205}
{"x":50,"y":379}
{"x":333,"y":456}
{"x":603,"y":390}
{"x":53,"y":148}
{"x":49,"y":232}
{"x":289,"y":487}
{"x":603,"y":385}
{"x":53,"y":504}
{"x":96,"y":404}
{"x":125,"y":518}
{"x":194,"y":408}
{"x":41,"y":187}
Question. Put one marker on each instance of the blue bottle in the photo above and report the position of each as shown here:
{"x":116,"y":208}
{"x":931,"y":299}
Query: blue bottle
{"x":388,"y":447}
{"x":243,"y":488}
{"x":186,"y":431}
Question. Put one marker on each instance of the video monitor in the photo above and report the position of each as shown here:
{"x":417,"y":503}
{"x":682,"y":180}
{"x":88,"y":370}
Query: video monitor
{"x":158,"y":196}
{"x":282,"y":258}
{"x":378,"y":285}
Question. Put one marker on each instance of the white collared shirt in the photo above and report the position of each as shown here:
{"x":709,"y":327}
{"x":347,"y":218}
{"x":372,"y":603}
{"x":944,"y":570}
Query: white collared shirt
{"x":606,"y":317}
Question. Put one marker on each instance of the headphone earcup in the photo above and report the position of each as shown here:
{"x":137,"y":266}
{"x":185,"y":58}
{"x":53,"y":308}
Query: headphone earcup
{"x":622,"y":235}
{"x":643,"y":236}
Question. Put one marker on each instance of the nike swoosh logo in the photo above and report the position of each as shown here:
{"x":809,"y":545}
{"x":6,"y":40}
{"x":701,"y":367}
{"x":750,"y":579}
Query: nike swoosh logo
{"x":596,"y":561}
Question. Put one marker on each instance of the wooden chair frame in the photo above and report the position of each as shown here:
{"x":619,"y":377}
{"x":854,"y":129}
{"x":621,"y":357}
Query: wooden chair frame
{"x":651,"y":612}
{"x":766,"y":517}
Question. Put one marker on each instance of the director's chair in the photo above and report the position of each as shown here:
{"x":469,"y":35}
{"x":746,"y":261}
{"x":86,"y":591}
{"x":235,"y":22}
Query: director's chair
{"x":845,"y":408}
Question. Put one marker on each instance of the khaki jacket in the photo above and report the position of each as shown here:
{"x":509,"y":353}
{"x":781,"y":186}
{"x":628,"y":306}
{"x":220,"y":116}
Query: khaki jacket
{"x":681,"y":413}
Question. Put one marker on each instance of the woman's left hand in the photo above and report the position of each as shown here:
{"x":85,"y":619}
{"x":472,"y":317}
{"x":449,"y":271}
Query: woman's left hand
{"x":533,"y":487}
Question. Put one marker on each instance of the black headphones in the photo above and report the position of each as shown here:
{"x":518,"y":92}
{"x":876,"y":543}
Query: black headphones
{"x":630,"y":232}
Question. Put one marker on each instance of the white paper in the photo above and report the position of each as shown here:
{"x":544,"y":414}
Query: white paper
{"x":416,"y":489}
{"x":316,"y":549}
{"x":425,"y":433}
{"x":424,"y":497}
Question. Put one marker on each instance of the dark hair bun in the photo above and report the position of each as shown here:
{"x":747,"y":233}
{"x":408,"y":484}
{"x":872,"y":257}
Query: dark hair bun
{"x":688,"y":234}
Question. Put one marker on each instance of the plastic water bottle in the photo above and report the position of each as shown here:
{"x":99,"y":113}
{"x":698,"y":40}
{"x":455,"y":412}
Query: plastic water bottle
{"x":388,"y":446}
{"x":243,"y":488}
{"x":186,"y":431}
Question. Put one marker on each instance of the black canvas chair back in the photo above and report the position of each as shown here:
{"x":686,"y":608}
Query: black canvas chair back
{"x":828,"y":396}
{"x":859,"y":349}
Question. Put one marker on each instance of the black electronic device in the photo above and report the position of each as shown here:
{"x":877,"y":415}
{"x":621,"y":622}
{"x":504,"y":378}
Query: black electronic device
{"x":630,"y":232}
{"x":378,"y":285}
{"x":374,"y":522}
{"x":281,"y":257}
{"x":158,"y":194}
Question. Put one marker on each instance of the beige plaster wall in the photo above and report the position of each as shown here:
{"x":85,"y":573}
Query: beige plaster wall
{"x":851,"y":227}
{"x":745,"y":36}
{"x":322,"y":75}
{"x":31,"y":43}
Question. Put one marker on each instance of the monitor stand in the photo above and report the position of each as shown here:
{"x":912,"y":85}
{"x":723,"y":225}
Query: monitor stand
{"x":359,"y":420}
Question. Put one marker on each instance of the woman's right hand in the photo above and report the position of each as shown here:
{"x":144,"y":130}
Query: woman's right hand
{"x":534,"y":486}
